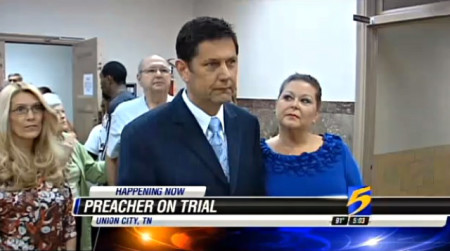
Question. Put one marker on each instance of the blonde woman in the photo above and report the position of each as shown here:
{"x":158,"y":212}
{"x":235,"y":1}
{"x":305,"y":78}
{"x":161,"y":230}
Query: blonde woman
{"x":81,"y":167}
{"x":35,"y":202}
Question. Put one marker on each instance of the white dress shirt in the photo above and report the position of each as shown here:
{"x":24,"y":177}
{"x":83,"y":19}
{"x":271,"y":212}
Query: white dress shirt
{"x":202,"y":117}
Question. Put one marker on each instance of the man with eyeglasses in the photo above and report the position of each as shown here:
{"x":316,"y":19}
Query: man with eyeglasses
{"x":15,"y":78}
{"x":154,"y":76}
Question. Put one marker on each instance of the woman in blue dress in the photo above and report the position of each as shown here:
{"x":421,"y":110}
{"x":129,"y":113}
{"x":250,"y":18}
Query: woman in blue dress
{"x":298,"y":162}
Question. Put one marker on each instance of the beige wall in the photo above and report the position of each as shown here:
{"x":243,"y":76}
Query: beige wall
{"x":416,"y":172}
{"x":413,"y":86}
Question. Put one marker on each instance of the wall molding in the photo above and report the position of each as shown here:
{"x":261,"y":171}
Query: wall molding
{"x":337,"y":107}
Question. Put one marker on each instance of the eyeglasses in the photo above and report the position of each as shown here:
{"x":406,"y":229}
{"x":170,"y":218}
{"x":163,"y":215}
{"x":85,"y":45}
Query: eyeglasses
{"x":155,"y":70}
{"x":24,"y":110}
{"x":14,"y":80}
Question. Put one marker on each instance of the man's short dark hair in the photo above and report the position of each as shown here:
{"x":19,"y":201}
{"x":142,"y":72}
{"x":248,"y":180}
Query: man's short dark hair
{"x":15,"y":75}
{"x":116,"y":70}
{"x":199,"y":30}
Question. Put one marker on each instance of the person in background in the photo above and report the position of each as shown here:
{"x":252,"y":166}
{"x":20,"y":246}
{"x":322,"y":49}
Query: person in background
{"x":199,"y":138}
{"x":15,"y":78}
{"x":45,"y":89}
{"x":82,"y":168}
{"x":113,"y":84}
{"x":55,"y":102}
{"x":35,"y":201}
{"x":298,"y":162}
{"x":95,"y":143}
{"x":154,"y":77}
{"x":114,"y":88}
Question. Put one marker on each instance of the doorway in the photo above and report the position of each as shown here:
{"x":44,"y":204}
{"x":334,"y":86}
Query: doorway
{"x":69,"y":66}
{"x":43,"y":65}
{"x":403,"y":98}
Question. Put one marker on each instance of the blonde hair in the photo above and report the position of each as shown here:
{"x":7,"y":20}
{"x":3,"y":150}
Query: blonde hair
{"x":19,"y":171}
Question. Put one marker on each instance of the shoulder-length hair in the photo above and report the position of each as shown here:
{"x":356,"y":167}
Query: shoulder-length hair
{"x":17,"y":170}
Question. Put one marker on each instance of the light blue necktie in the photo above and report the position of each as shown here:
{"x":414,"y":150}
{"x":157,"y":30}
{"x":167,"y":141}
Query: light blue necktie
{"x":219,"y":145}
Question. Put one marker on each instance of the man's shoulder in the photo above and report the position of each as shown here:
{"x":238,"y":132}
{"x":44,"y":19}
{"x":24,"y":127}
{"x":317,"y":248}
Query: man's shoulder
{"x":124,"y":96}
{"x":157,"y":117}
{"x":131,"y":106}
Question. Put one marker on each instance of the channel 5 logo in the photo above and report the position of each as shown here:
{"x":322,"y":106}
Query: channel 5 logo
{"x":359,"y":200}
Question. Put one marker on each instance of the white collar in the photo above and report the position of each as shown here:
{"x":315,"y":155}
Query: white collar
{"x":202,"y":117}
{"x":144,"y":98}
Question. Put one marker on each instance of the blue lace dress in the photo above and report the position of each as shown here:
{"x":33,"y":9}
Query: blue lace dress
{"x":329,"y":171}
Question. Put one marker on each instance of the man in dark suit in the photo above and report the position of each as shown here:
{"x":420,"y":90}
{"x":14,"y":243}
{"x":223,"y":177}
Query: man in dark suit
{"x":200,"y":138}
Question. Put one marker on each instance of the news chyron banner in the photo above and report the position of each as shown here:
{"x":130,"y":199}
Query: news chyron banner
{"x":188,"y":207}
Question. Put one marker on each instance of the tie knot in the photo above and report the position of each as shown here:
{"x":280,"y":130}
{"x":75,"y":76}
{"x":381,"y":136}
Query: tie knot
{"x":215,"y":125}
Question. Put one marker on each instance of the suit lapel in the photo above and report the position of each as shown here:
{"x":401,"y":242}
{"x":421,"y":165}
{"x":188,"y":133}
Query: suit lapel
{"x":232,"y":132}
{"x":191,"y":135}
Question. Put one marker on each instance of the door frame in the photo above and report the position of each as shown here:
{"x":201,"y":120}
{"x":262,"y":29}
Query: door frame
{"x":86,"y":104}
{"x":366,"y":78}
{"x":36,"y":39}
{"x":33,"y":39}
{"x":417,"y":12}
{"x":2,"y":64}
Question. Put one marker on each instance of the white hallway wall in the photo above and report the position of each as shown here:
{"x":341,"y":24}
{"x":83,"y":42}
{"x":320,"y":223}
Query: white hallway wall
{"x":49,"y":66}
{"x":280,"y":37}
{"x":277,"y":37}
{"x":127,"y":30}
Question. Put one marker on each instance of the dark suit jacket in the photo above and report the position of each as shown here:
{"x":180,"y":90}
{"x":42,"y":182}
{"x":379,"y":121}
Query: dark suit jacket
{"x":166,"y":147}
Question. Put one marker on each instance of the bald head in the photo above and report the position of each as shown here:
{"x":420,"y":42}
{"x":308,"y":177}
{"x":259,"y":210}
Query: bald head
{"x":154,"y":74}
{"x":155,"y":59}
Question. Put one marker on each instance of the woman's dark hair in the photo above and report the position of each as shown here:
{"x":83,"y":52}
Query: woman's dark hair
{"x":45,"y":89}
{"x":305,"y":78}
